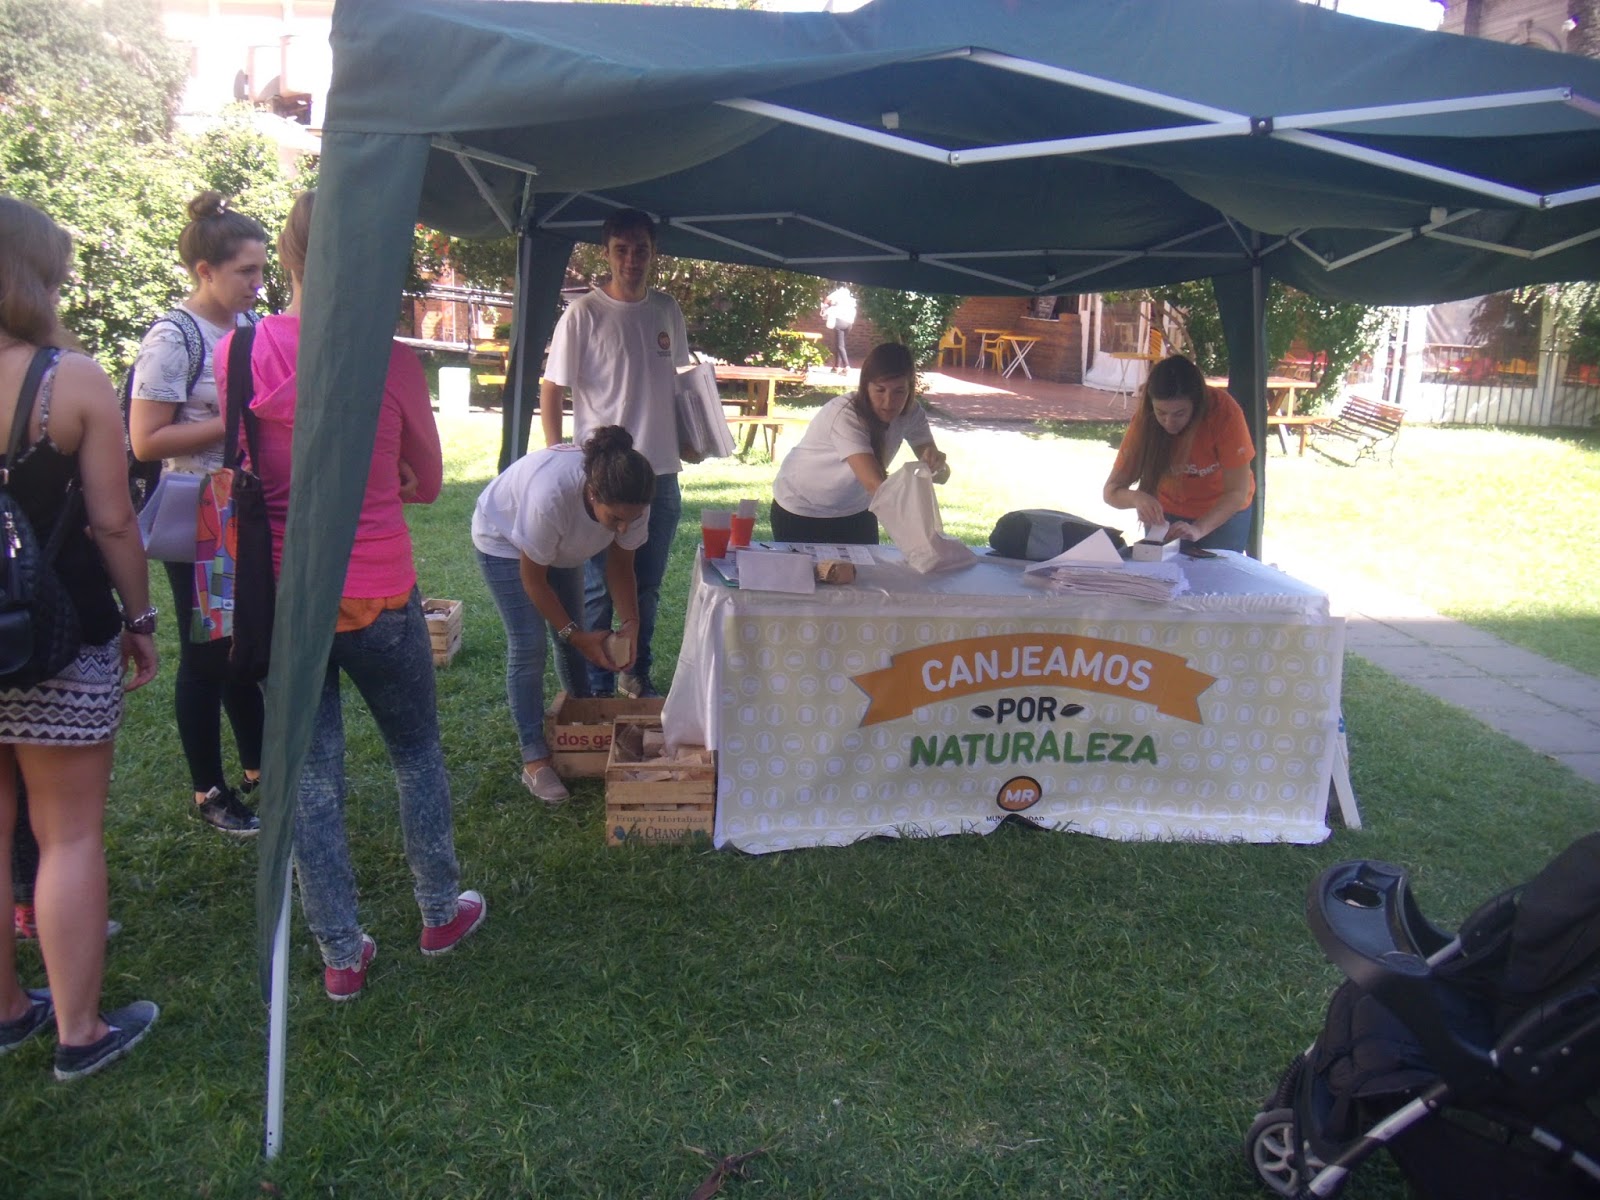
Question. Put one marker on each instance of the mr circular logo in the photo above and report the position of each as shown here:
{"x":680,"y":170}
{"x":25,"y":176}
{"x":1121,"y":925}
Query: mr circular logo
{"x":1018,"y":794}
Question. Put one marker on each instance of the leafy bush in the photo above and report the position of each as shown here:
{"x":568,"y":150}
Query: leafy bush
{"x":916,"y":320}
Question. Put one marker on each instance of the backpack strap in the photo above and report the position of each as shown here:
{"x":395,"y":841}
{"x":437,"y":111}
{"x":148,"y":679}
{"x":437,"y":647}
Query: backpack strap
{"x":40,"y":363}
{"x":241,"y":387}
{"x":43,"y":357}
{"x":193,"y":341}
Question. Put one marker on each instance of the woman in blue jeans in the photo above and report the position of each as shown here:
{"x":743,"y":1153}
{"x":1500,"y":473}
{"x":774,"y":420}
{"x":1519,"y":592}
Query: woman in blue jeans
{"x":534,"y":528}
{"x":380,"y":641}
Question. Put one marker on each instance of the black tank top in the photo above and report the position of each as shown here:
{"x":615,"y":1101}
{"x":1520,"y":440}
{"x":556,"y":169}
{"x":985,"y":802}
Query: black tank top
{"x":39,"y":483}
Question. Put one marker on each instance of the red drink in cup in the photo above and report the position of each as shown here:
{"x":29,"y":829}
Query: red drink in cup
{"x":743,"y":523}
{"x":716,"y":526}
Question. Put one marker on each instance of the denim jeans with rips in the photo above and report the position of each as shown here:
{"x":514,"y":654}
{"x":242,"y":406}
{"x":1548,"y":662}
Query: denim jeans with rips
{"x":526,"y":643}
{"x":649,"y":568}
{"x":391,"y":664}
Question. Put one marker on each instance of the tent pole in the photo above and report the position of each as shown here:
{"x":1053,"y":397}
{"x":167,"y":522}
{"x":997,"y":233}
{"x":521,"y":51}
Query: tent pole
{"x":1258,"y":405}
{"x":278,"y":1023}
{"x":1242,"y":303}
{"x":541,"y":269}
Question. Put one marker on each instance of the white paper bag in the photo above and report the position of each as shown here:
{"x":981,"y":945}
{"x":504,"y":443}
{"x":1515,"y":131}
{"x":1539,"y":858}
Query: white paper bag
{"x":702,"y":425}
{"x":169,"y":518}
{"x":908,"y":510}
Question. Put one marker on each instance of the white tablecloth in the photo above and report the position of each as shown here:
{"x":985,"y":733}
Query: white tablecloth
{"x":917,"y":704}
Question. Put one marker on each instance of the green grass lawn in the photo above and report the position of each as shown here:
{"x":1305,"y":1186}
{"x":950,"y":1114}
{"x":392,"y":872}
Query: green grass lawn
{"x":1026,"y":1014}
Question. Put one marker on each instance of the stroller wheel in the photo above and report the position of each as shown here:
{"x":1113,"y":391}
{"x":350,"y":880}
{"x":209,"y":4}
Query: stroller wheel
{"x":1269,"y":1148}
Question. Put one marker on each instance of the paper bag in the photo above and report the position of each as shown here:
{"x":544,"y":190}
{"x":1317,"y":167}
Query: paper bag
{"x":167,"y":521}
{"x":702,"y":427}
{"x":908,"y":511}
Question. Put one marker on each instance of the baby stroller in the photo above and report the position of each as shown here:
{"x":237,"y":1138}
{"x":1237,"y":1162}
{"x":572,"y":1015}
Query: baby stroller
{"x":1474,"y":1060}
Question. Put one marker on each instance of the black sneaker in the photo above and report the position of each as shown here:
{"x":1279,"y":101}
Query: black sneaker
{"x":128,"y":1027}
{"x":38,"y":1017}
{"x":225,"y":812}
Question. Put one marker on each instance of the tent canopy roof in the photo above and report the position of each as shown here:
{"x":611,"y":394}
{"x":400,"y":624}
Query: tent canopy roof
{"x":1000,"y":146}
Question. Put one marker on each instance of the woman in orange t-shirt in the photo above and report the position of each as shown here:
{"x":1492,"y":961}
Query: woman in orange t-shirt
{"x":1186,"y":459}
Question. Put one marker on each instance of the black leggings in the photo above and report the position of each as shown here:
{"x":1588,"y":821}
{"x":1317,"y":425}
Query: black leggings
{"x":205,"y":688}
{"x":858,"y":529}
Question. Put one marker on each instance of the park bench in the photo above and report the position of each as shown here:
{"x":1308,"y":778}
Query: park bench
{"x":1362,"y":427}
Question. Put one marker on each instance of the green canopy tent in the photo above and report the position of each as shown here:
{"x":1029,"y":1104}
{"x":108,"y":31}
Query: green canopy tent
{"x":1027,"y":147}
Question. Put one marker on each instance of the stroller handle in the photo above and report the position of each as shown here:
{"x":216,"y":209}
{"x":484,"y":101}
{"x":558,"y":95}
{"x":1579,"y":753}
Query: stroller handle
{"x":1366,"y":921}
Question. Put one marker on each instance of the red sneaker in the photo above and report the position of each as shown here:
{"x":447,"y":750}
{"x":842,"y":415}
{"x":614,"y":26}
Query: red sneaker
{"x":345,"y":983}
{"x":23,"y":927}
{"x":471,"y":909}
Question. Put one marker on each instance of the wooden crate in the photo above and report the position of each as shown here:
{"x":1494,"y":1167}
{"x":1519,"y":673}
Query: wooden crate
{"x":651,"y":798}
{"x":579,"y":731}
{"x":444,"y":629}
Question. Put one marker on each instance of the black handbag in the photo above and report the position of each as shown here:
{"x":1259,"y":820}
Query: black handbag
{"x":39,"y":629}
{"x":254,"y":584}
{"x":1039,"y":534}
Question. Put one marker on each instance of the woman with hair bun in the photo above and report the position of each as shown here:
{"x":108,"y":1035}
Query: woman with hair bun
{"x":1185,"y":460}
{"x":534,"y":527}
{"x":174,"y":415}
{"x":380,"y":642}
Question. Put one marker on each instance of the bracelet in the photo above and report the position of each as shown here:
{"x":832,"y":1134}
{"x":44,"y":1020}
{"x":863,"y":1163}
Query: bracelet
{"x":145,"y":622}
{"x":565,"y":634}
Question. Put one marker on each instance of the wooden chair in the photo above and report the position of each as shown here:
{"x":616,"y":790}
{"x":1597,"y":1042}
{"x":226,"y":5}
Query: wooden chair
{"x":1155,"y":350}
{"x":953,"y":342}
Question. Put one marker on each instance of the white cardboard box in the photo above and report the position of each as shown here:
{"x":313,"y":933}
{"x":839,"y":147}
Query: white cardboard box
{"x":1153,"y":551}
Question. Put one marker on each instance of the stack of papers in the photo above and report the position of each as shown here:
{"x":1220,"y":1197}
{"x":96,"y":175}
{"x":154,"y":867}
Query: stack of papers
{"x":1156,"y":581}
{"x":1094,"y":568}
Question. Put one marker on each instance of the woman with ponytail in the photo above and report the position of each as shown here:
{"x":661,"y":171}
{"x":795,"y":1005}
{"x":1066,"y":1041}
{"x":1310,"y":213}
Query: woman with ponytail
{"x":380,"y":641}
{"x":534,"y":527}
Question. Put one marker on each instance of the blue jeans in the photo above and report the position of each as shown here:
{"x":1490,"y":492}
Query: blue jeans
{"x":525,"y":645}
{"x":1232,"y":534}
{"x":391,"y":664}
{"x":649,"y":568}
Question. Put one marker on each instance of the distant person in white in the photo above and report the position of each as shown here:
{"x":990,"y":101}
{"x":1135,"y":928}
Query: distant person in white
{"x":618,"y":348}
{"x":826,"y":482}
{"x":838,"y":314}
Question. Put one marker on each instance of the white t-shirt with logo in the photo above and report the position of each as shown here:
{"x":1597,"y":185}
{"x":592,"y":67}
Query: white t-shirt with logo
{"x":535,"y":507}
{"x":814,"y":479}
{"x":621,"y":360}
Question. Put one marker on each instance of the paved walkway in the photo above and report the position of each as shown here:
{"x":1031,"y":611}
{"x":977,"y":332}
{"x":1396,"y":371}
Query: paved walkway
{"x":1550,"y":708}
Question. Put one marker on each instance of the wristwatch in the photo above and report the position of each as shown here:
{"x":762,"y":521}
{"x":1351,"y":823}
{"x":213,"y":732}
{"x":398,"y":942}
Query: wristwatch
{"x":145,"y":622}
{"x":565,"y":633}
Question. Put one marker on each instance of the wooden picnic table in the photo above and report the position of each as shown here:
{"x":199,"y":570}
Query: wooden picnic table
{"x":1282,"y":391}
{"x":760,"y":390}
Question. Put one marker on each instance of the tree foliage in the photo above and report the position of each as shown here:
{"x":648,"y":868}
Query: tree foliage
{"x":86,"y":95}
{"x":917,"y":320}
{"x":113,"y":51}
{"x":1339,"y":333}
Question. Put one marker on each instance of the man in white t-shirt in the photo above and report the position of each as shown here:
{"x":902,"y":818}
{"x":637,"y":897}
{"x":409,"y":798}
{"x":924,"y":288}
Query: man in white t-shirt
{"x":618,"y":348}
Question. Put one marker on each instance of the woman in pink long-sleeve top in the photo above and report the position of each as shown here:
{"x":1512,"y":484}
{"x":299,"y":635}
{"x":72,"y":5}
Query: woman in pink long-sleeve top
{"x":381,"y":642}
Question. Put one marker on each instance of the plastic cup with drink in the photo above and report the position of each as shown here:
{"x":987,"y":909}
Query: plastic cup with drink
{"x":743,"y":526}
{"x":716,"y":526}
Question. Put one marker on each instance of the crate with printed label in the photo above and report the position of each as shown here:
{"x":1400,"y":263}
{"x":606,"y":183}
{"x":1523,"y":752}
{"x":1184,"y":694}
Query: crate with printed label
{"x":578,"y":730}
{"x":656,"y":795}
